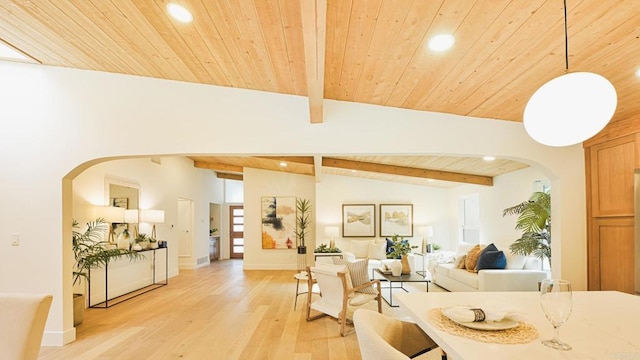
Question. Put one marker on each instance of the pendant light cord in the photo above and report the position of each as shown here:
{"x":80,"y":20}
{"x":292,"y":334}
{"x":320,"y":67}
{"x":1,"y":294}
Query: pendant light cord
{"x":566,"y":39}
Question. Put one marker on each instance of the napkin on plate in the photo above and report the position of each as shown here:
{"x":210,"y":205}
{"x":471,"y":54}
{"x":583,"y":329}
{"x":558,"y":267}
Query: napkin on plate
{"x":466,"y":314}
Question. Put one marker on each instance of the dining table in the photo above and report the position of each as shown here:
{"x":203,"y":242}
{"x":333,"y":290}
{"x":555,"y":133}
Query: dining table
{"x":603,"y":325}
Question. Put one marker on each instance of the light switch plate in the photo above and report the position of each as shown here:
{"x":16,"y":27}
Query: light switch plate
{"x":15,"y":239}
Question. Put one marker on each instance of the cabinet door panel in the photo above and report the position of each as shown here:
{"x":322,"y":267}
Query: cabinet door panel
{"x":612,"y":172}
{"x":615,"y":240}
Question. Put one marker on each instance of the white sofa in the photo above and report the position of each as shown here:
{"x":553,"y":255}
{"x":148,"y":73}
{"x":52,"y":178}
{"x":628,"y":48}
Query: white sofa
{"x":357,"y":249}
{"x":521,"y":274}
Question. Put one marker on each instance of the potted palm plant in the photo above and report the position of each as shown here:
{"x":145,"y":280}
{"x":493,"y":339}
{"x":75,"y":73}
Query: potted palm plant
{"x":302,"y":223}
{"x":90,"y":251}
{"x":534,"y":219}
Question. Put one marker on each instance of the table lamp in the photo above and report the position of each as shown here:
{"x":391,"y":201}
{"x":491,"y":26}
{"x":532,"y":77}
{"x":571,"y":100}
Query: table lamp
{"x":153,"y":217}
{"x":110,"y":215}
{"x":332,"y":232}
{"x":426,"y":232}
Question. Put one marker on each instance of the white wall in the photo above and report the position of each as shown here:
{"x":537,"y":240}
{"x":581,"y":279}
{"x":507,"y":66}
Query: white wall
{"x":333,"y":191}
{"x":160,"y":187}
{"x":261,"y":183}
{"x":54,"y":122}
{"x":507,"y":190}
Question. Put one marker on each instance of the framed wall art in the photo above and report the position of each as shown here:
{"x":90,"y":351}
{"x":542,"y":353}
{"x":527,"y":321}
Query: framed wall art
{"x":278,"y":222}
{"x":359,"y":220}
{"x":396,"y":219}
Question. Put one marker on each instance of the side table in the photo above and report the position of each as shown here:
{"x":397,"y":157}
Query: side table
{"x":303,"y":276}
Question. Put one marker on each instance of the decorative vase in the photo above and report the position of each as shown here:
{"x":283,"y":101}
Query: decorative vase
{"x":406,"y":269}
{"x":396,"y":268}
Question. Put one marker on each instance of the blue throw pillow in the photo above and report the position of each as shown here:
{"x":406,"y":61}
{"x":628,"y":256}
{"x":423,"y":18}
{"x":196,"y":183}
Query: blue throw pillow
{"x":492,"y":260}
{"x":490,"y":247}
{"x":389,"y":246}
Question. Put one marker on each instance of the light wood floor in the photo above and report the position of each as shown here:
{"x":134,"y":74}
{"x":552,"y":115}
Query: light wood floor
{"x":216,"y":312}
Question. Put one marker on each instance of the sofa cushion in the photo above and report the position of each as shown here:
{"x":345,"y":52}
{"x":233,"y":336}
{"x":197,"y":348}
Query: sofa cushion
{"x":532,"y":263}
{"x":358,"y":272}
{"x":471,"y":261}
{"x":468,"y":278}
{"x":377,"y":250}
{"x":492,"y":260}
{"x":515,"y":261}
{"x":360,"y":248}
{"x":444,"y":269}
{"x":463,"y":248}
{"x":460,"y":262}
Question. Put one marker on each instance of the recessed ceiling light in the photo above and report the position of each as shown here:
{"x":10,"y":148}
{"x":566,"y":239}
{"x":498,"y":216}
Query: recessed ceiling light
{"x":488,"y":158}
{"x":441,"y":42}
{"x":179,"y":13}
{"x":283,"y":164}
{"x":430,"y":180}
{"x":638,"y":72}
{"x":353,"y":171}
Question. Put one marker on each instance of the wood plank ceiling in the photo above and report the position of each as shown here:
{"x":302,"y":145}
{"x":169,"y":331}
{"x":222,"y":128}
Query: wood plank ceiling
{"x":366,"y":51}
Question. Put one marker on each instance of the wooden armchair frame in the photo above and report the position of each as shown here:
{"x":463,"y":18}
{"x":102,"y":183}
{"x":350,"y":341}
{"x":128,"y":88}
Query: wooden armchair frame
{"x":345,"y":292}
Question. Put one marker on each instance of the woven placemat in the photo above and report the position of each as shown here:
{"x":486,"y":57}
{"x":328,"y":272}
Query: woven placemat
{"x":521,"y":334}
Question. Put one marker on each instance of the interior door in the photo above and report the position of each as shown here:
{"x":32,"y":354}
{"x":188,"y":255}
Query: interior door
{"x":185,"y":240}
{"x":236,"y":231}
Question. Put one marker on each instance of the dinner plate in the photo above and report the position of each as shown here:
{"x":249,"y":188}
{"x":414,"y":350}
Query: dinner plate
{"x":490,"y":325}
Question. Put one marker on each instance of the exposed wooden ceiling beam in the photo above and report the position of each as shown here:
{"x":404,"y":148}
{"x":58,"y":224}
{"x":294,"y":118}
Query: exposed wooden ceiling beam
{"x":307,"y":160}
{"x":218,"y":167}
{"x":229,"y":176}
{"x":314,"y":32}
{"x":408,"y":171}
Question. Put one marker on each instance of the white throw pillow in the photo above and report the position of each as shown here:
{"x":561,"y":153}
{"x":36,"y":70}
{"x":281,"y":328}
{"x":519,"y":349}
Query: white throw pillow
{"x":532,"y":263}
{"x":360,"y":248}
{"x":377,"y":251}
{"x":463,"y":249}
{"x":515,"y":262}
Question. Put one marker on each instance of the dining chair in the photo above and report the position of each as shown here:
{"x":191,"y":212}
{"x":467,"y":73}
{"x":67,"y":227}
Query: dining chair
{"x":338,"y":296}
{"x":384,"y":337}
{"x":22,"y":321}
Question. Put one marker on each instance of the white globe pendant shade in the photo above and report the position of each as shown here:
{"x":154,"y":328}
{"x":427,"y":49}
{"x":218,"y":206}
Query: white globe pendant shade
{"x":570,"y":109}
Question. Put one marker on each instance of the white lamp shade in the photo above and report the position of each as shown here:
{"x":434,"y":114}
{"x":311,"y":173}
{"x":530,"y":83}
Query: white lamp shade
{"x":131,"y":216}
{"x":570,"y":109}
{"x":425,"y":231}
{"x":152,"y":216}
{"x":331,"y":231}
{"x":110,"y":214}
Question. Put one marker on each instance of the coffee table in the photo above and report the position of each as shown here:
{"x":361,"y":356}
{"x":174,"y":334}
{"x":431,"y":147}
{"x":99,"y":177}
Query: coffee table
{"x":413,"y":277}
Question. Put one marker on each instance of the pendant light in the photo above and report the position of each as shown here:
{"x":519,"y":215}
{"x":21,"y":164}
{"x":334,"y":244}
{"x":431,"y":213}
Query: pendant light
{"x":570,"y":108}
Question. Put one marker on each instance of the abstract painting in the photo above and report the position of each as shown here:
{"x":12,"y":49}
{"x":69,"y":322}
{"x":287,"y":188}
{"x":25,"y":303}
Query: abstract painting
{"x":359,"y":220}
{"x":278,"y":222}
{"x":396,"y":219}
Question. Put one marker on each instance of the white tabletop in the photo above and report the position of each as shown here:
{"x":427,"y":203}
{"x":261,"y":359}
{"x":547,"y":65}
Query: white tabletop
{"x":604,"y":325}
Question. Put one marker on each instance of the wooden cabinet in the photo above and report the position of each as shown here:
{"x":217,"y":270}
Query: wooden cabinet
{"x":611,"y":254}
{"x":610,"y":166}
{"x":612,"y":173}
{"x":214,"y":248}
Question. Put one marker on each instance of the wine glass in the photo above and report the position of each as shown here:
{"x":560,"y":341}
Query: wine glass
{"x":555,"y":298}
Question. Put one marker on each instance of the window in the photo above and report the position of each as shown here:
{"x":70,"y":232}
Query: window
{"x":470,"y":219}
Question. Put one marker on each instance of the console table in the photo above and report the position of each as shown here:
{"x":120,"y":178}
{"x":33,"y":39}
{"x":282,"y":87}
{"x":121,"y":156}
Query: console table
{"x":139,"y":291}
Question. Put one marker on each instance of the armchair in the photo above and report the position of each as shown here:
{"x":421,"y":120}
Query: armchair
{"x":383,"y":337}
{"x":338,"y":295}
{"x":22,"y":321}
